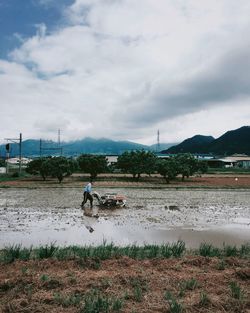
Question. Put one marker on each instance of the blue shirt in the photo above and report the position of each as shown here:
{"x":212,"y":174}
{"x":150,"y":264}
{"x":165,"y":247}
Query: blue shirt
{"x":88,"y":188}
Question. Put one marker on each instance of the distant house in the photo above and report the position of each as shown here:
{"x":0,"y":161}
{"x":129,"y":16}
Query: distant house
{"x":235,"y":160}
{"x":239,"y":160}
{"x":2,"y":170}
{"x":15,"y":161}
{"x":111,"y":159}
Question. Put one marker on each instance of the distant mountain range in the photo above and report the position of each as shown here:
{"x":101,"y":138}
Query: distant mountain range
{"x":234,"y":141}
{"x":32,"y":147}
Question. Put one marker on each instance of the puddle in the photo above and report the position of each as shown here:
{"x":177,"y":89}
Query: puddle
{"x":41,"y":216}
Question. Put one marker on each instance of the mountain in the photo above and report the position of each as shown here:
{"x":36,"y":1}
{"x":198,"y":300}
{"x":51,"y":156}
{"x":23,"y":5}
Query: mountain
{"x":234,"y":141}
{"x":31,"y":147}
{"x":193,"y":145}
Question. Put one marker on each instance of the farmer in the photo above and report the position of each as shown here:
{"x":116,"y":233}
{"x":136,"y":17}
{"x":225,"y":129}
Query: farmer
{"x":87,"y":194}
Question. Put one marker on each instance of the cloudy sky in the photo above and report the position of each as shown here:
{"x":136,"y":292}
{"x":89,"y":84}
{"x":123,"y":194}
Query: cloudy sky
{"x":122,"y":69}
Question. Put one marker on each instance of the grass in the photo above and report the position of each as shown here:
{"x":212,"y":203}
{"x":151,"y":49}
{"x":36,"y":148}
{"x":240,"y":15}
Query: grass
{"x":236,"y":291}
{"x":91,"y":256}
{"x":190,"y":284}
{"x":94,"y":302}
{"x":221,"y":265}
{"x":208,"y":250}
{"x":139,"y":286}
{"x":68,"y":300}
{"x":229,"y":170}
{"x":174,"y":305}
{"x":204,"y":299}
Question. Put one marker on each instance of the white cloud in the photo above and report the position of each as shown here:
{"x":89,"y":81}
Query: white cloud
{"x":124,"y":68}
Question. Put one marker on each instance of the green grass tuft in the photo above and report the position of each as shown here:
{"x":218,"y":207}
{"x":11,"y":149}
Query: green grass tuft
{"x":174,"y":306}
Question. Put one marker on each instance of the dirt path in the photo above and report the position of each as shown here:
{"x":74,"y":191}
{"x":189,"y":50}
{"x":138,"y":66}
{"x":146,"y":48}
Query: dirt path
{"x":105,"y":180}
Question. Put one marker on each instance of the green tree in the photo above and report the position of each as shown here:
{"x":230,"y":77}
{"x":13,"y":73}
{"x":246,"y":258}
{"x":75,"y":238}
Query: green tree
{"x":92,"y":164}
{"x":187,"y":164}
{"x":137,"y":162}
{"x":202,"y":167}
{"x":34,"y":166}
{"x":167,"y":168}
{"x":60,"y":167}
{"x":45,"y":169}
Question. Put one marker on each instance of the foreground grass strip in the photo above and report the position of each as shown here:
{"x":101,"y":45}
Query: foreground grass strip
{"x":108,"y":251}
{"x":208,"y":250}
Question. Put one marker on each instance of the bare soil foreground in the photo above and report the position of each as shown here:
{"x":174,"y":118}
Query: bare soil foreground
{"x":187,"y":284}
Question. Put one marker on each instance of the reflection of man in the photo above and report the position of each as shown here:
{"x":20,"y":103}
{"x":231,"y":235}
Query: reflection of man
{"x":87,"y":194}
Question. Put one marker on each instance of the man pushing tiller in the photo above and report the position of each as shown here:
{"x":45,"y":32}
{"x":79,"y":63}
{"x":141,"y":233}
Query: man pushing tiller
{"x":87,"y":194}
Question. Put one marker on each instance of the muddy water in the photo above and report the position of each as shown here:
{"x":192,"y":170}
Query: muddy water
{"x":41,"y":216}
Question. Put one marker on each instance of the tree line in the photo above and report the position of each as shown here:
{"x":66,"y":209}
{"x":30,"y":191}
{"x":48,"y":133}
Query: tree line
{"x":136,"y":162}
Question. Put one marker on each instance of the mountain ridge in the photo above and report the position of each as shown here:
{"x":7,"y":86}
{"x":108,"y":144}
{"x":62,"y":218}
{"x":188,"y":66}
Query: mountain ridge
{"x":231,"y":142}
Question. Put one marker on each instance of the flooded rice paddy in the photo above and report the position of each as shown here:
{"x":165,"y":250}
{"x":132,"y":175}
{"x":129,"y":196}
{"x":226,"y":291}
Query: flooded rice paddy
{"x":46,"y":215}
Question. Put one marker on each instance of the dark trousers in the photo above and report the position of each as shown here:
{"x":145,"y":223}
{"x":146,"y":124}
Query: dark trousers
{"x":87,"y":196}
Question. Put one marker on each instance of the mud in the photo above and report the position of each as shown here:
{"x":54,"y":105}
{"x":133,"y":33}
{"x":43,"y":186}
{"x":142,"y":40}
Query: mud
{"x":45,"y":215}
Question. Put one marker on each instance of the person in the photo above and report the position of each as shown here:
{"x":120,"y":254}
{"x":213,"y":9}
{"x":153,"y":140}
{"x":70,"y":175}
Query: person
{"x":87,"y":194}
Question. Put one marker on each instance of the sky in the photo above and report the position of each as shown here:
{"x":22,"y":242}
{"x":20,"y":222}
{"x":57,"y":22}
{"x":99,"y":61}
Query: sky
{"x":124,"y":69}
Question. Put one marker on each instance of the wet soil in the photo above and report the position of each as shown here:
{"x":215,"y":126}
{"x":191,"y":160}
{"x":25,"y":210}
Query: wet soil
{"x":45,"y":215}
{"x":60,"y":286}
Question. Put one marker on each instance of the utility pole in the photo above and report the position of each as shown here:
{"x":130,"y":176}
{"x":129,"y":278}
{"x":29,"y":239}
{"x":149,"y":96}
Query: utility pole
{"x":158,"y":141}
{"x":59,"y":141}
{"x":57,"y":147}
{"x":7,"y":147}
{"x":19,"y":142}
{"x":20,"y":153}
{"x":40,"y":148}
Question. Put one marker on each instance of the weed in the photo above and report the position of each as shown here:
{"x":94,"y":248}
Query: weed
{"x":44,"y":278}
{"x":67,"y":301}
{"x":174,"y":306}
{"x":236,"y":291}
{"x":208,"y":250}
{"x":221,"y":265}
{"x":24,"y":270}
{"x":178,"y":248}
{"x":230,"y":251}
{"x":245,"y":250}
{"x":166,"y":251}
{"x":92,"y":263}
{"x":137,"y":293}
{"x":46,"y":251}
{"x":106,"y":283}
{"x":11,"y":253}
{"x":204,"y":299}
{"x":72,"y":278}
{"x":190,"y":284}
{"x":95,"y":302}
{"x":29,"y":290}
{"x":117,"y":305}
